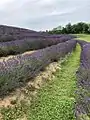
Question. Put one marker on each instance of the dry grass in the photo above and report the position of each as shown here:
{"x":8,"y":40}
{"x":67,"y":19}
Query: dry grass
{"x":11,"y":56}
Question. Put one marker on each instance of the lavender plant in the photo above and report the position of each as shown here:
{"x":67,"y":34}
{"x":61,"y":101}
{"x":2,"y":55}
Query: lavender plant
{"x":83,"y":76}
{"x":16,"y":71}
{"x":20,"y":46}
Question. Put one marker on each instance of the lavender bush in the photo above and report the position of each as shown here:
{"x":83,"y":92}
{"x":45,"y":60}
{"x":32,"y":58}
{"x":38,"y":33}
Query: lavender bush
{"x":20,"y":46}
{"x":15,"y":71}
{"x":83,"y":76}
{"x":8,"y":33}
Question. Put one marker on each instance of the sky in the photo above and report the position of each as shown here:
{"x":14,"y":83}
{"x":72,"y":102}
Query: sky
{"x":43,"y":14}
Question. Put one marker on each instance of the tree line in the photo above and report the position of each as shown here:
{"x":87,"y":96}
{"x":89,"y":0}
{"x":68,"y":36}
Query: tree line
{"x":78,"y":28}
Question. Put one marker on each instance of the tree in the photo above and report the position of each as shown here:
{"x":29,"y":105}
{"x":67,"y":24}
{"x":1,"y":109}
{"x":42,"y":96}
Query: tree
{"x":69,"y":28}
{"x":88,"y":28}
{"x":74,"y":29}
{"x":85,"y":28}
{"x":80,"y":27}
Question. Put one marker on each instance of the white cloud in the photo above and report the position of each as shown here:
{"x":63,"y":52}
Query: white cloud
{"x":4,"y":2}
{"x":43,"y":14}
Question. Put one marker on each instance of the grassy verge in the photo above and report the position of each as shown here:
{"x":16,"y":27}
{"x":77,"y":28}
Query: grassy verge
{"x":56,"y":100}
{"x":85,"y":37}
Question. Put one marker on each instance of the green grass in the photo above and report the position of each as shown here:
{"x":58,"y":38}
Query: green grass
{"x":85,"y":37}
{"x":56,"y":99}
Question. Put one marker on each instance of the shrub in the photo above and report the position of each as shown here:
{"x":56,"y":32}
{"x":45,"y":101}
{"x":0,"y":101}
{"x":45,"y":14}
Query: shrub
{"x":20,"y":46}
{"x":21,"y":68}
{"x":83,"y":76}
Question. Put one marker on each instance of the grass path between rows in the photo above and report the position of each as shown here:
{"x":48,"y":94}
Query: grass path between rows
{"x":56,"y":100}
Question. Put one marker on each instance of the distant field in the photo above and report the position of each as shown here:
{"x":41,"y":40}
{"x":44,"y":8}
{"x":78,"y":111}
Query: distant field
{"x":85,"y":37}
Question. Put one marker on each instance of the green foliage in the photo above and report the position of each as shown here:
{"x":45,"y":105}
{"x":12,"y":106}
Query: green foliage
{"x":78,"y":28}
{"x":68,"y":28}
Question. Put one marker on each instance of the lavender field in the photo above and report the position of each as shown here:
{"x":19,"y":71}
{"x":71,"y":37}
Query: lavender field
{"x":19,"y":65}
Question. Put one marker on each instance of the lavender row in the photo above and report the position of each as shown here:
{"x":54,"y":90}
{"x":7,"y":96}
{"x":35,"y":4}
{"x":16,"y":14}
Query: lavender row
{"x":16,"y":71}
{"x":82,"y":43}
{"x":8,"y":33}
{"x":83,"y":83}
{"x":19,"y":36}
{"x":20,"y":46}
{"x":23,"y":35}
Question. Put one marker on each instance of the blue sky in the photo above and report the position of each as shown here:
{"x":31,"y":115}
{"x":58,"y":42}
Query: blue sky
{"x":43,"y":14}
